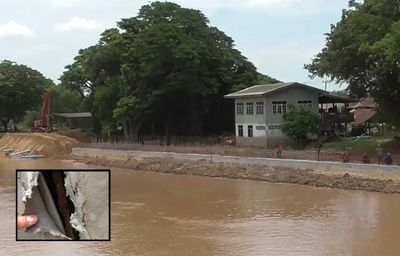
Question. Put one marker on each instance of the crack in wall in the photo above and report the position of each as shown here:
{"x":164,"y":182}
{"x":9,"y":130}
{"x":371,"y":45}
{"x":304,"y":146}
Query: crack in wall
{"x":55,"y":182}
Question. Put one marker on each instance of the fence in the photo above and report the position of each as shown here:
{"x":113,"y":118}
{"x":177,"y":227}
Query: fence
{"x":198,"y":141}
{"x":169,"y":140}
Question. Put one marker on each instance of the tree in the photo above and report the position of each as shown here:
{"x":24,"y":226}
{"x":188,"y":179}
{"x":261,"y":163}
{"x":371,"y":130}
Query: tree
{"x":264,"y":79}
{"x":21,"y":89}
{"x":165,"y":69}
{"x":300,"y":122}
{"x":65,"y":100}
{"x":362,"y":50}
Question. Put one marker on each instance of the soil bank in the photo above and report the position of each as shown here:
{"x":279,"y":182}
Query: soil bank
{"x":251,"y":172}
{"x":48,"y":144}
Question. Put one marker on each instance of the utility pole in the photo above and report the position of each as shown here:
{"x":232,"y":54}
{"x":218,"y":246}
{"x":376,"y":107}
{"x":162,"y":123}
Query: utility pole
{"x":326,"y":82}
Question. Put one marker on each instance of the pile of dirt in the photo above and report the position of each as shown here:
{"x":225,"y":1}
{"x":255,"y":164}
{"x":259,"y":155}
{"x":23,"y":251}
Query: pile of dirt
{"x":48,"y":144}
{"x":251,"y":172}
{"x":76,"y":134}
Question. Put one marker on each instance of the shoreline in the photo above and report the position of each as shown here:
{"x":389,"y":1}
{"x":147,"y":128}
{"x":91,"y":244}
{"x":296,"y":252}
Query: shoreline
{"x":248,"y":172}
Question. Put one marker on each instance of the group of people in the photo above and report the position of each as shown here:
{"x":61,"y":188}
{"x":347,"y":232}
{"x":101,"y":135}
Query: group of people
{"x":382,"y":158}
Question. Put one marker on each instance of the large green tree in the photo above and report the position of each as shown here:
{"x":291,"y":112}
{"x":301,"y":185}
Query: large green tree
{"x":362,"y":50}
{"x":165,"y":68}
{"x":21,"y":89}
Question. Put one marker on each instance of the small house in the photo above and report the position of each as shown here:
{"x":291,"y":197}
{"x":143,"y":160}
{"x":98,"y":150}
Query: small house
{"x":259,"y":110}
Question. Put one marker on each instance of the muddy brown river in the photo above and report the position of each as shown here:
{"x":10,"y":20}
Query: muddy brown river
{"x":161,"y":214}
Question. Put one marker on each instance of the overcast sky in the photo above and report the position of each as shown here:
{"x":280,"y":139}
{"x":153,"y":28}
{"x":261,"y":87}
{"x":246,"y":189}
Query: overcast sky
{"x":278,"y":36}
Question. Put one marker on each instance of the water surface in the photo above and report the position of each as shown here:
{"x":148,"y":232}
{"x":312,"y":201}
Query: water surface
{"x":161,"y":214}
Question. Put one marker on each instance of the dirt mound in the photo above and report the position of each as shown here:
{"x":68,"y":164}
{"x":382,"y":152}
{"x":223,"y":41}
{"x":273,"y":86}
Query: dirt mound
{"x":48,"y":144}
{"x":77,"y":134}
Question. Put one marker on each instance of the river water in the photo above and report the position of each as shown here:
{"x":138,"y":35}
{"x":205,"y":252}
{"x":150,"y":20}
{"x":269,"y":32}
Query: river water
{"x":162,"y":214}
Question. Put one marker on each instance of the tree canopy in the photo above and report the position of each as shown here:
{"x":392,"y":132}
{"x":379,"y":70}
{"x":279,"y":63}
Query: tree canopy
{"x":21,"y":89}
{"x":165,"y":70}
{"x":363,"y":50}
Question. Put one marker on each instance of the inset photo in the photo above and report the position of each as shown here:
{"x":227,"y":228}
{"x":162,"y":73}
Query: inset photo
{"x":64,"y":204}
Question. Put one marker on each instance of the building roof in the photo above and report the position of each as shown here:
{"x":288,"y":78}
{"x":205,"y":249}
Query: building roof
{"x":74,"y":115}
{"x":333,"y":98}
{"x":264,"y":89}
{"x":363,"y":115}
{"x":363,"y":103}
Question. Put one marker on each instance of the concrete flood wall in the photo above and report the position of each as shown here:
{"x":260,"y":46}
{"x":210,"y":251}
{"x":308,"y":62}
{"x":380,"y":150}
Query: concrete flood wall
{"x":322,"y":166}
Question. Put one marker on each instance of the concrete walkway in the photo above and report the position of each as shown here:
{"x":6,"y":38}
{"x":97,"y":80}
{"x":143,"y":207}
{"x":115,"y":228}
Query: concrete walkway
{"x":322,"y":166}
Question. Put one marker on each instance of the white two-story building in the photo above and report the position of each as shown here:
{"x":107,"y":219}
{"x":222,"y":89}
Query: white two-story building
{"x":259,"y":110}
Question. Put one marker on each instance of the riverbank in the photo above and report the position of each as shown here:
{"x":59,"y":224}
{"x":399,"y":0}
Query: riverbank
{"x":352,"y":176}
{"x":47,"y":144}
{"x":250,"y":172}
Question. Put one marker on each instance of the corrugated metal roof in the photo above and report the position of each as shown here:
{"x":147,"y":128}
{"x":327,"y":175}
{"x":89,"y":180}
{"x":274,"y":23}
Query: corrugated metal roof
{"x":364,"y":103}
{"x":333,"y":98}
{"x":264,"y":89}
{"x":74,"y":115}
{"x":258,"y":90}
{"x":363,"y":115}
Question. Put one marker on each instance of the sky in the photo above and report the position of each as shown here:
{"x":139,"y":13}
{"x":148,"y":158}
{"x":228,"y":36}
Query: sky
{"x":278,"y":36}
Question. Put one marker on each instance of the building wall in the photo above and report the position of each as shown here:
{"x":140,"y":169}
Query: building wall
{"x":257,"y":121}
{"x":250,"y":119}
{"x":291,"y":96}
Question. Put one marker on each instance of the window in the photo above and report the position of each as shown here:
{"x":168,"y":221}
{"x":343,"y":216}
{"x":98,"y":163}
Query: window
{"x":305,"y":103}
{"x":260,"y":108}
{"x":239,"y":109}
{"x":250,"y":131}
{"x":279,"y":107}
{"x":274,"y":127}
{"x":240,"y":130}
{"x":249,"y":108}
{"x":260,"y":128}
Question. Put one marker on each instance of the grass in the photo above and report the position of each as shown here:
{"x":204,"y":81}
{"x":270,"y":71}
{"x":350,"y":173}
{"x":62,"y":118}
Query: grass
{"x":366,"y":145}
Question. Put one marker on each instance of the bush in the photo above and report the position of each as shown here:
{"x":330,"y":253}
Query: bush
{"x":299,"y":123}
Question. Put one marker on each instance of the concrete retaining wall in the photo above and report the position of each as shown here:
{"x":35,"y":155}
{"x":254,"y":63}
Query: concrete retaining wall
{"x":322,"y":166}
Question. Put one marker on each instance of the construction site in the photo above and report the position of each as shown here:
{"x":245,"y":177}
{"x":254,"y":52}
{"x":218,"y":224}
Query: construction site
{"x":198,"y":128}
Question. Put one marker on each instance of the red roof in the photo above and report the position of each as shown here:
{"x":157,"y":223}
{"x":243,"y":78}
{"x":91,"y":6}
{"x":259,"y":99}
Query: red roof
{"x":363,"y":103}
{"x":362,"y":115}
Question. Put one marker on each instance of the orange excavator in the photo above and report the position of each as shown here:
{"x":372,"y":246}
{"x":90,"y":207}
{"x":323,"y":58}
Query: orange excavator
{"x":44,"y":125}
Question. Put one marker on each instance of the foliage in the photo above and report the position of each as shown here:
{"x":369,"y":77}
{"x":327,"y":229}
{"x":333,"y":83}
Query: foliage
{"x":367,"y":145}
{"x":300,"y":122}
{"x":65,"y":100}
{"x":165,"y":68}
{"x":342,"y":93}
{"x":264,"y":79}
{"x":21,"y":89}
{"x":362,"y":49}
{"x":28,"y":119}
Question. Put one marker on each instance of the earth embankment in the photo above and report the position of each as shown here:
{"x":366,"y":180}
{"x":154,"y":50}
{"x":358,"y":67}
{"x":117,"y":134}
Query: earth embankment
{"x":48,"y":144}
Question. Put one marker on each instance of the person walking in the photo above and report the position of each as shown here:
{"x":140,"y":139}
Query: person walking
{"x":365,"y":159}
{"x":388,"y":159}
{"x":346,"y":157}
{"x":379,"y":152}
{"x":280,"y":149}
